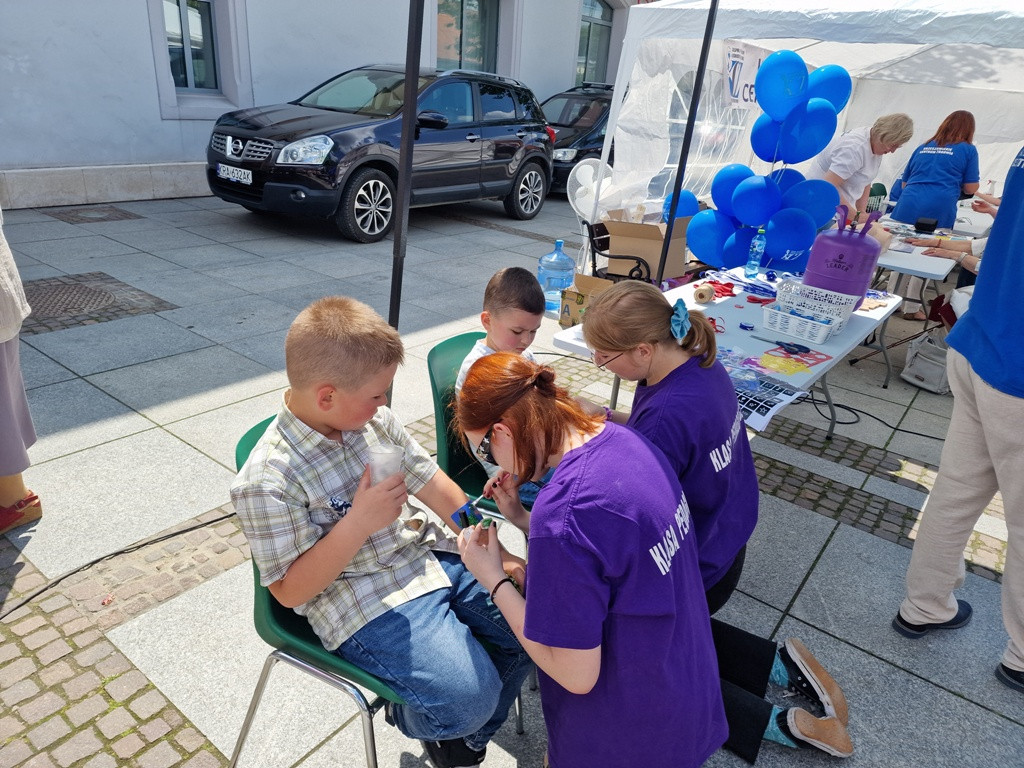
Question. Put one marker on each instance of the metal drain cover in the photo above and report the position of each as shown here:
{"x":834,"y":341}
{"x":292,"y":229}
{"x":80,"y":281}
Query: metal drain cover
{"x":66,"y":300}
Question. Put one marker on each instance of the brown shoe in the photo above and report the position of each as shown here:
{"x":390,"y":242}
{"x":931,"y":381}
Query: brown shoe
{"x":20,"y":513}
{"x":824,"y":733}
{"x":808,"y":677}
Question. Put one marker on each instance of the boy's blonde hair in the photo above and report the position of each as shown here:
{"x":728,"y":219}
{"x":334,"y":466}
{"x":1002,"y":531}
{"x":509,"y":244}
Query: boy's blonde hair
{"x":341,"y":341}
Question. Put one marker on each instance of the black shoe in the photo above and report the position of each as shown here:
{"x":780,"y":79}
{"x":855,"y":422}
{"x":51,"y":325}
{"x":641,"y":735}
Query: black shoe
{"x":810,"y":679}
{"x":1012,"y":678}
{"x":452,"y":753}
{"x":914,"y":631}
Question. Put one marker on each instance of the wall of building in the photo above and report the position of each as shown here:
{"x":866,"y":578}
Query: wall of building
{"x":90,"y":113}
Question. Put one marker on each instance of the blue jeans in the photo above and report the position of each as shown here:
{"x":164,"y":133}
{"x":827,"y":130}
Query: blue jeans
{"x":429,"y":651}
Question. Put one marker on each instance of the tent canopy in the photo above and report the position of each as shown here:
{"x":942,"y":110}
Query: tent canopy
{"x":923,"y":58}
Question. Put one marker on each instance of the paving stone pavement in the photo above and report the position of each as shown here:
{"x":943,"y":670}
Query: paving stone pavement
{"x":71,"y":698}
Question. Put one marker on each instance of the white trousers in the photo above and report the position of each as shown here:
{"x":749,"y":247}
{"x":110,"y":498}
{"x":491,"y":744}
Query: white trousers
{"x":983,"y":453}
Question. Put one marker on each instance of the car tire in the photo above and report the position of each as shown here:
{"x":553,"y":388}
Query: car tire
{"x":526,"y":198}
{"x":366,"y":212}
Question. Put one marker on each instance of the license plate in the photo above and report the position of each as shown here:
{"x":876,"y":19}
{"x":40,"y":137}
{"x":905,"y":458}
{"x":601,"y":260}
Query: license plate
{"x":229,"y":172}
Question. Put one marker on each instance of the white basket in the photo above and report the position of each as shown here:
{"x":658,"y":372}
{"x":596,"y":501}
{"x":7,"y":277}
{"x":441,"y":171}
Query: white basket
{"x":781,"y":321}
{"x":819,"y":313}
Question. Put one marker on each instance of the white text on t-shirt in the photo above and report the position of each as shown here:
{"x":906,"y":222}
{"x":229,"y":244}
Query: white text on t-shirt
{"x":722,"y":455}
{"x":664,"y":551}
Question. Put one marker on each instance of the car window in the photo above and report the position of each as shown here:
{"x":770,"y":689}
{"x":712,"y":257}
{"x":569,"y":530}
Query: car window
{"x":496,"y":102}
{"x":371,"y":92}
{"x":452,"y":99}
{"x":580,"y":112}
{"x":527,"y":107}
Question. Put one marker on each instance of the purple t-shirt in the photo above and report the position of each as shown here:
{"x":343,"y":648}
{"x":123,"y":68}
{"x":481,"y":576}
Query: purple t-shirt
{"x":613,"y":562}
{"x":693,"y":416}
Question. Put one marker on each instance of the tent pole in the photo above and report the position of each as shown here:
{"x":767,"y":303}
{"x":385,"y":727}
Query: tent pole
{"x":691,"y":117}
{"x":404,"y":191}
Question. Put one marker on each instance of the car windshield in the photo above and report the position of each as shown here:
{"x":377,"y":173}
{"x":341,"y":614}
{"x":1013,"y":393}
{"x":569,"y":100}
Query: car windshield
{"x":574,"y":111}
{"x":371,"y":92}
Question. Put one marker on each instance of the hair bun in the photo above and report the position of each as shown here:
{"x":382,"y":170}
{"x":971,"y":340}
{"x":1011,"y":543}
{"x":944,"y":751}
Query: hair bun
{"x":544,"y":380}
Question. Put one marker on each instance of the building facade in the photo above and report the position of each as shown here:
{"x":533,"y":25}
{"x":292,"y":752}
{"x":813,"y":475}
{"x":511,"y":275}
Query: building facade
{"x":105,"y":101}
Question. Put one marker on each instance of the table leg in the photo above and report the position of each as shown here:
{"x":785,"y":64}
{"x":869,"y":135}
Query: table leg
{"x":615,"y":392}
{"x":885,"y":353}
{"x":831,"y":406}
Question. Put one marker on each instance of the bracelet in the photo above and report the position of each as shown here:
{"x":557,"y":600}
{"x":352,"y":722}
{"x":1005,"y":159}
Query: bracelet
{"x":507,"y":579}
{"x":608,"y":413}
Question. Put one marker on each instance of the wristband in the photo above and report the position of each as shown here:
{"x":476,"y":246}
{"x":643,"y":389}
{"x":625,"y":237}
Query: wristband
{"x":494,"y":591}
{"x":960,"y":259}
{"x":608,"y":413}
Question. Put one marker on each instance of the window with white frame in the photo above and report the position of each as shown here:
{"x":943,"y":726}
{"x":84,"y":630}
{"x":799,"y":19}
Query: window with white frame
{"x":201,"y":57}
{"x":595,"y":37}
{"x":190,"y":43}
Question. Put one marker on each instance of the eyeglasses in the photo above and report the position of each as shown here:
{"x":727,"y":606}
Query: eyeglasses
{"x":601,"y":366}
{"x":483,"y":451}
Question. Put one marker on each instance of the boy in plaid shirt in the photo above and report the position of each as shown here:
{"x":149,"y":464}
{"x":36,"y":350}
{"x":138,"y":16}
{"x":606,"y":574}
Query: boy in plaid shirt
{"x":381,"y":583}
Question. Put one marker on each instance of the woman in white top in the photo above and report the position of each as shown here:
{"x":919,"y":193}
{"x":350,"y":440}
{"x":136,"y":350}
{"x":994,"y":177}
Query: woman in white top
{"x":850,"y":162}
{"x":18,"y":505}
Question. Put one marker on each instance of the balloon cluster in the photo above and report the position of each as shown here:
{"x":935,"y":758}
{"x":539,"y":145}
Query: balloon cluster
{"x":798,"y":122}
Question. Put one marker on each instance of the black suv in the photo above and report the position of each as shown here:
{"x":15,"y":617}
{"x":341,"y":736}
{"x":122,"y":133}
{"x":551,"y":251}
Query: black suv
{"x":334,"y":151}
{"x":580,"y":119}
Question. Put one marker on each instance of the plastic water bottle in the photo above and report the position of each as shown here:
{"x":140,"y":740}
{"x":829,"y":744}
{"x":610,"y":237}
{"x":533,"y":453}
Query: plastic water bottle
{"x":555,"y":272}
{"x":756,"y":252}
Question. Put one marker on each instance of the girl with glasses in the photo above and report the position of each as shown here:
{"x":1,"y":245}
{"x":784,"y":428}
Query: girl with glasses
{"x":615,"y":618}
{"x":686,"y":405}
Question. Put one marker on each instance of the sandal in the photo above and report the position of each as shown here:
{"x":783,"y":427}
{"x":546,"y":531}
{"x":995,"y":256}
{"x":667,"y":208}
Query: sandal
{"x":918,"y":316}
{"x":20,"y":513}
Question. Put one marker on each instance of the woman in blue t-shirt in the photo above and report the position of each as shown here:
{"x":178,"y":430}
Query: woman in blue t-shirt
{"x":686,"y":405}
{"x":937,"y":174}
{"x":615,"y":616}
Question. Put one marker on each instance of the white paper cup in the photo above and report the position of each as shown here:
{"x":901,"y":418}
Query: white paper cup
{"x":385,"y":460}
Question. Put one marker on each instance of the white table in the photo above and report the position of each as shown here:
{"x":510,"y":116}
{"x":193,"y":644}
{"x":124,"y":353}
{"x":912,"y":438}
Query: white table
{"x":731,"y":311}
{"x":917,"y":264}
{"x":969,"y":222}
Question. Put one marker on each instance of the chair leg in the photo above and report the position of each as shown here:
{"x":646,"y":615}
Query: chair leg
{"x":254,"y":704}
{"x":519,"y":713}
{"x":366,"y":709}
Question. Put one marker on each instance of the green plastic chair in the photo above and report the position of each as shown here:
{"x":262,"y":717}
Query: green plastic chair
{"x":443,"y":363}
{"x":296,"y":644}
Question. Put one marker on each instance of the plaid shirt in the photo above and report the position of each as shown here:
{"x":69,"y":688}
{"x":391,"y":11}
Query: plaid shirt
{"x":298,"y":483}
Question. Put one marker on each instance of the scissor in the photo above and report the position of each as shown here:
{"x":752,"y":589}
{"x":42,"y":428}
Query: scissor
{"x":787,"y":346}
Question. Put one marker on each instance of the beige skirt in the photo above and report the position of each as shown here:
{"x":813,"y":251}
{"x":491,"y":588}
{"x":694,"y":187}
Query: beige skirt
{"x":17,"y":432}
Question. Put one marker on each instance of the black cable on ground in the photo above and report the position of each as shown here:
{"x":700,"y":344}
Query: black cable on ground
{"x":818,"y":403}
{"x":132,"y":548}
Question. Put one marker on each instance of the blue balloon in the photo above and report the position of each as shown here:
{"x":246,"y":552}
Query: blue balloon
{"x":764,"y":139}
{"x":815,"y":197}
{"x":706,"y":235}
{"x":755,"y":200}
{"x":781,"y":84}
{"x":687,"y":205}
{"x":807,"y":130}
{"x":832,"y":83}
{"x":737,"y":247}
{"x":788,"y":239}
{"x":786,"y":178}
{"x":724,"y":183}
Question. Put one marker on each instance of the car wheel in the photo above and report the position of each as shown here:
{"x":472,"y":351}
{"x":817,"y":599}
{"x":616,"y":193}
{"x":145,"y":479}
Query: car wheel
{"x":527,"y":195}
{"x":366,"y":213}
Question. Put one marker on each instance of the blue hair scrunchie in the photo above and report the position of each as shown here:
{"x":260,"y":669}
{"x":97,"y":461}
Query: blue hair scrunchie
{"x":680,"y":320}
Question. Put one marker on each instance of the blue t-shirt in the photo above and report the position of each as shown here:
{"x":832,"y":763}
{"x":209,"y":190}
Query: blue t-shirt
{"x":613,"y":562}
{"x":693,"y":416}
{"x":989,"y":334}
{"x":934,"y":177}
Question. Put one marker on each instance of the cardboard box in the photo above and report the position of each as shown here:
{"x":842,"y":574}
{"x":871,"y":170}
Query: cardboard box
{"x":576,"y":298}
{"x":644,"y":240}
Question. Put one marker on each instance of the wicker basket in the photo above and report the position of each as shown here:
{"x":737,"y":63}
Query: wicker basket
{"x":818,"y":313}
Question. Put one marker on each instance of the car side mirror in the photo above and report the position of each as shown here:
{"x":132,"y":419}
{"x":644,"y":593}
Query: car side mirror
{"x":431,"y":119}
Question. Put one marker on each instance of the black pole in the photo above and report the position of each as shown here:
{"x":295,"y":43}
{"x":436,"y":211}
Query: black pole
{"x":698,"y":85}
{"x":404,"y":191}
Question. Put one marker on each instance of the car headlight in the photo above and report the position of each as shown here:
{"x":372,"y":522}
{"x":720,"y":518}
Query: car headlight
{"x":564,"y":155}
{"x":311,"y":151}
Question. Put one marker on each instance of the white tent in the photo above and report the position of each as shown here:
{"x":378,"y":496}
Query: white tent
{"x":923,"y":57}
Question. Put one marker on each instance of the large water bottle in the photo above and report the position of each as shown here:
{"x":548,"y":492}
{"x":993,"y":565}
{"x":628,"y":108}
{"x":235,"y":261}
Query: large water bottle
{"x":555,"y":272}
{"x":756,"y":252}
